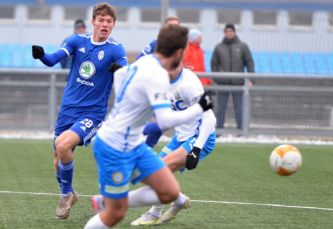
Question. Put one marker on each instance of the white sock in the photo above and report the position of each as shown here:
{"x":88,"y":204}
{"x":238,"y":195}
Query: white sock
{"x":144,"y":196}
{"x":181,"y":199}
{"x":156,"y":210}
{"x":95,"y":223}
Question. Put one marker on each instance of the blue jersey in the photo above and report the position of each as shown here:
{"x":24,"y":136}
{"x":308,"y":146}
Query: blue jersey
{"x":149,"y":49}
{"x":89,"y":81}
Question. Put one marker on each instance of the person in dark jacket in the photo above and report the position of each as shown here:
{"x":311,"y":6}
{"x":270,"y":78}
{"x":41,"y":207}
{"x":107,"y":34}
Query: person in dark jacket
{"x":231,"y":55}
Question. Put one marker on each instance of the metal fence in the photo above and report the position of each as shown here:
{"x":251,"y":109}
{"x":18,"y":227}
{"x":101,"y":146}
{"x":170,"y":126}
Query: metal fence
{"x":275,"y":105}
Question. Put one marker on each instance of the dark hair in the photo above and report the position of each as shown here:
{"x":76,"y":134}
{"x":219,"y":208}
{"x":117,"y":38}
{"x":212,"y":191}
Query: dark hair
{"x":79,"y":23}
{"x":230,"y":26}
{"x":171,"y":18}
{"x":104,"y":9}
{"x":171,"y":38}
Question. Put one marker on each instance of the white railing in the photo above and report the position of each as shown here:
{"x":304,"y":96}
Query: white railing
{"x":274,"y":105}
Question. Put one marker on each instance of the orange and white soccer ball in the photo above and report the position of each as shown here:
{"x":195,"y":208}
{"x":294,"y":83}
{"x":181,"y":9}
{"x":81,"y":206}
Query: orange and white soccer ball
{"x":285,"y":160}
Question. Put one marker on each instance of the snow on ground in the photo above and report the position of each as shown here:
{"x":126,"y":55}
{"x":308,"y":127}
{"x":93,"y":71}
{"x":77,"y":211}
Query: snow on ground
{"x":222,"y":139}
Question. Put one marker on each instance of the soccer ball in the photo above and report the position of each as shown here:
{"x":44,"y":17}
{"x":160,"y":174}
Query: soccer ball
{"x":285,"y":160}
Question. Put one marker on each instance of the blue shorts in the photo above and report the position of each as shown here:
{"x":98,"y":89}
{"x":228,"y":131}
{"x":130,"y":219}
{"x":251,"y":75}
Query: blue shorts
{"x":116,"y":169}
{"x":188,"y":145}
{"x":85,"y":126}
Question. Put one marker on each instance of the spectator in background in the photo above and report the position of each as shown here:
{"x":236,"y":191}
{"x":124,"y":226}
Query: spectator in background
{"x":194,"y":57}
{"x":79,"y":28}
{"x":231,"y":55}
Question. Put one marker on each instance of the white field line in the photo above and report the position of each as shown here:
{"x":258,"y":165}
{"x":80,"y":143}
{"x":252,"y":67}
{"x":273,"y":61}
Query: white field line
{"x":198,"y":201}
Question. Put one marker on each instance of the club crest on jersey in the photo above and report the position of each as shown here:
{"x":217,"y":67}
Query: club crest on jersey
{"x":100,"y":55}
{"x":87,"y":70}
{"x":117,"y":177}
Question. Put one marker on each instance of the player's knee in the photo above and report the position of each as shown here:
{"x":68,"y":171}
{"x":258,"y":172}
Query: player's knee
{"x":63,"y":150}
{"x":171,"y":195}
{"x":115,"y":214}
{"x":119,"y":215}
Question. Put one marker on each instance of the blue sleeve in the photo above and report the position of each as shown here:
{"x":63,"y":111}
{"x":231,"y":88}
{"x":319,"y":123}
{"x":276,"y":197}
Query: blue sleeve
{"x":67,"y":49}
{"x":120,"y":56}
{"x":149,"y":49}
{"x":54,"y":58}
{"x":70,"y":43}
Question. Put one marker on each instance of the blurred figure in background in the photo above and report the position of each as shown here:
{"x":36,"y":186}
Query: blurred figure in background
{"x":231,"y":55}
{"x":79,"y":28}
{"x":150,"y":48}
{"x":194,"y":57}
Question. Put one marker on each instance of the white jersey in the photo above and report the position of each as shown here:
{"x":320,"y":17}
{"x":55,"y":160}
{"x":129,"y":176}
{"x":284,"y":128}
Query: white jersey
{"x":139,"y":88}
{"x":186,"y":90}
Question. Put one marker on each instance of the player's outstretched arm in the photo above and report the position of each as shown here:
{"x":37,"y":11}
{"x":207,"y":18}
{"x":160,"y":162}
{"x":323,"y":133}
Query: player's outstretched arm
{"x":48,"y":59}
{"x":167,"y":118}
{"x":205,"y":130}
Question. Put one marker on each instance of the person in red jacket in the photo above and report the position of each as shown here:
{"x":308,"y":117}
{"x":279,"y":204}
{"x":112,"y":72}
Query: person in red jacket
{"x":194,"y":57}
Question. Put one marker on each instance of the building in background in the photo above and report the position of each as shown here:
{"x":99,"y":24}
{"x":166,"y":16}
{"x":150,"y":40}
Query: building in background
{"x":292,"y":36}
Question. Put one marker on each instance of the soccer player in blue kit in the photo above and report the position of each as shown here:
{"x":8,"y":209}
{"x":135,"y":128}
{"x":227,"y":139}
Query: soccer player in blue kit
{"x":120,"y":151}
{"x":86,"y":94}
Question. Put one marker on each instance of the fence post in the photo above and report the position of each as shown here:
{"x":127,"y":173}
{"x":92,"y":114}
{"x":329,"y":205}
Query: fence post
{"x":52,"y":101}
{"x":246,"y":107}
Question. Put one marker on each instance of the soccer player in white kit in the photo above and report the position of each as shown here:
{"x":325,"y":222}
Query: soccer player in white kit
{"x":121,"y":154}
{"x":197,"y":136}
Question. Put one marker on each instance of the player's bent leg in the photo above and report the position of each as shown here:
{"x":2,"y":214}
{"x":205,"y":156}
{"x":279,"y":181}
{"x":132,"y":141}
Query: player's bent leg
{"x":163,"y":188}
{"x":63,"y":147}
{"x":176,"y":159}
{"x":115,"y":210}
{"x":165,"y":185}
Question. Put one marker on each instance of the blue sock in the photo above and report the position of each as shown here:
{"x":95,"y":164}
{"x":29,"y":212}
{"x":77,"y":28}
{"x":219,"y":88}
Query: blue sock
{"x":66,"y":177}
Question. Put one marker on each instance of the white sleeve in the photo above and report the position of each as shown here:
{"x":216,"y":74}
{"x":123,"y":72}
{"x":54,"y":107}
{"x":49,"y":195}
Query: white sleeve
{"x":157,"y":91}
{"x":192,"y":94}
{"x":206,"y":128}
{"x":167,"y":118}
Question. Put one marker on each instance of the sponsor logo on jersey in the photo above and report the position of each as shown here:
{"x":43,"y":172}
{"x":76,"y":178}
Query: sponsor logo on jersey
{"x":87,"y":83}
{"x":100,"y":55}
{"x":117,"y":177}
{"x":83,"y":50}
{"x":161,"y":96}
{"x":178,"y":105}
{"x":87,"y":70}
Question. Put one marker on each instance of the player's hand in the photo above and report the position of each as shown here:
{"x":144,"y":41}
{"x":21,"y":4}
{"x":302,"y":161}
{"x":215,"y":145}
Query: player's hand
{"x":192,"y":159}
{"x":153,"y":132}
{"x":114,"y":67}
{"x":205,"y":101}
{"x":37,"y":52}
